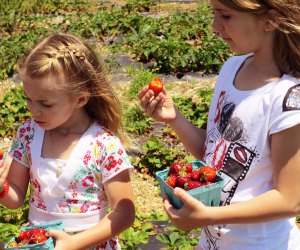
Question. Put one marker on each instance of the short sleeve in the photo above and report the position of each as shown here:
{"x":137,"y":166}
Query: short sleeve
{"x":112,"y":158}
{"x":286,"y":106}
{"x":20,"y":150}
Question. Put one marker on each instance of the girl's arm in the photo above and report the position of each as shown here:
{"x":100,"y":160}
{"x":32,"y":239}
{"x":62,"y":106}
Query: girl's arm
{"x":281,"y":202}
{"x":161,"y":108}
{"x":18,"y":179}
{"x":120,"y":194}
{"x":192,"y":137}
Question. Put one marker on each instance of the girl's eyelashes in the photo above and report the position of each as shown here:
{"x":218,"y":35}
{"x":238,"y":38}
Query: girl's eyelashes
{"x":226,"y":17}
{"x":46,"y":105}
{"x":220,"y":14}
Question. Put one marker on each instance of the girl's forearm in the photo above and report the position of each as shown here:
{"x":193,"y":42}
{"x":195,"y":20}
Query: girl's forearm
{"x":111,"y":225}
{"x":192,"y":137}
{"x":269,"y":206}
{"x":13,"y":199}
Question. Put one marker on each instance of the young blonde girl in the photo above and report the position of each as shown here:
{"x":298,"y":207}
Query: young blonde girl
{"x":70,"y":151}
{"x":253,"y":132}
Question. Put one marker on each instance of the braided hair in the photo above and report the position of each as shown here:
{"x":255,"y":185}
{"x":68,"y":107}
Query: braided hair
{"x":67,"y":55}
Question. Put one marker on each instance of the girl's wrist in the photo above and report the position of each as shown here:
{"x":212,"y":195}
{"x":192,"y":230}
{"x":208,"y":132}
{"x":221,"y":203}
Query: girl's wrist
{"x":4,"y":190}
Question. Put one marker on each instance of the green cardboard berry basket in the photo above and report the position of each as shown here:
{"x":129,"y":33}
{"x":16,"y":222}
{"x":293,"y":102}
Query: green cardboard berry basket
{"x":47,"y":245}
{"x":209,"y":195}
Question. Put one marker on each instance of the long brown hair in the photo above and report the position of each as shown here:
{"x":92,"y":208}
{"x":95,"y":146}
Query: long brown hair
{"x":83,"y":70}
{"x":287,"y":35}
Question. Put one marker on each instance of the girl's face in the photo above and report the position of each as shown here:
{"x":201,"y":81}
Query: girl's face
{"x":242,"y":31}
{"x":49,"y":106}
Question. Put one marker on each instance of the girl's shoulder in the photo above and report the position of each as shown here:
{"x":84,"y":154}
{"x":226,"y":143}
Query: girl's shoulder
{"x":102,"y":132}
{"x":233,"y":64}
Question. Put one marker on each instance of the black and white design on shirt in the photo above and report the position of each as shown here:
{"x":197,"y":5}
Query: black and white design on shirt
{"x":236,"y":164}
{"x":291,"y":100}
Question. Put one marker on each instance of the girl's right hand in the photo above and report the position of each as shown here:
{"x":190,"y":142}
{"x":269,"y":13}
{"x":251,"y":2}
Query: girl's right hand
{"x":159,"y":107}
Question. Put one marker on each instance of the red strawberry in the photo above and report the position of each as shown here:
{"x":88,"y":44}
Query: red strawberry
{"x":188,"y":167}
{"x":25,"y":236}
{"x":41,"y":238}
{"x":189,"y":185}
{"x":181,"y":180}
{"x":32,"y":236}
{"x":195,"y":176}
{"x":207,"y":173}
{"x":156,"y":85}
{"x":1,"y":154}
{"x":175,"y":168}
{"x":171,"y":180}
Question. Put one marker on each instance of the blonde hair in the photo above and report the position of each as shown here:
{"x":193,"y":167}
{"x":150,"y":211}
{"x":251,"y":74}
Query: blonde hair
{"x":287,"y":35}
{"x":84,"y":72}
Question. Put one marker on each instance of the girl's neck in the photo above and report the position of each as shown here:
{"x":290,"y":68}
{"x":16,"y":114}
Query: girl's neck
{"x":75,"y":125}
{"x":255,"y":73}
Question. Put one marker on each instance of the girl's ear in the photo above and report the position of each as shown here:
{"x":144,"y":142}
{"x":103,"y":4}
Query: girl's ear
{"x":83,"y":99}
{"x":272,"y":20}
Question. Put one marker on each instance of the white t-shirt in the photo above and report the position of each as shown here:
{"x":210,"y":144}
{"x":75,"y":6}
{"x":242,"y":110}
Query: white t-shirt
{"x":240,"y":124}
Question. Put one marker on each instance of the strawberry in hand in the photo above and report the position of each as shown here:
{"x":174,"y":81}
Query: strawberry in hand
{"x":156,"y":85}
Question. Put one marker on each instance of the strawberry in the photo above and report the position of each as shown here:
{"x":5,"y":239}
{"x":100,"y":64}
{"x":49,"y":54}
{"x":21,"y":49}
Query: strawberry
{"x":188,"y":167}
{"x":156,"y":85}
{"x":32,"y":236}
{"x":1,"y":154}
{"x":207,"y":173}
{"x":175,"y":168}
{"x":24,"y":236}
{"x":41,"y":238}
{"x":189,"y":185}
{"x":171,"y":180}
{"x":181,"y":180}
{"x":195,"y":176}
{"x":180,"y":168}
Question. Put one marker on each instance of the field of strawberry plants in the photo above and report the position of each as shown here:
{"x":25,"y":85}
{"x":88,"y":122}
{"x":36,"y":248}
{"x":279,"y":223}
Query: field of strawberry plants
{"x":162,"y":39}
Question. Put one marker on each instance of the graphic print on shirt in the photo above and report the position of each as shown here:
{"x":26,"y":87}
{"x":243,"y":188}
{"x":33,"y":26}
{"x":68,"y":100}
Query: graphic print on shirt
{"x":292,"y":99}
{"x":226,"y":150}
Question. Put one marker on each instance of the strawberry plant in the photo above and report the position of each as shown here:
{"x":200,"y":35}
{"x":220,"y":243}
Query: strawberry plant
{"x":158,"y":157}
{"x":13,"y":111}
{"x":175,"y":239}
{"x":135,"y":120}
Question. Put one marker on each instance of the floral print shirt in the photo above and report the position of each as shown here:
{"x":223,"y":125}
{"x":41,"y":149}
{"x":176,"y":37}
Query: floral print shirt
{"x":98,"y":157}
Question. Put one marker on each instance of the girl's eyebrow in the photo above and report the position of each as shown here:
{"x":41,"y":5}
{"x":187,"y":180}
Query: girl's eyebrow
{"x":41,"y":100}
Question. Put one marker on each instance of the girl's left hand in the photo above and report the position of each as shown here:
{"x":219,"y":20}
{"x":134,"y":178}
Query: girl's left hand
{"x":192,"y":215}
{"x":62,"y":239}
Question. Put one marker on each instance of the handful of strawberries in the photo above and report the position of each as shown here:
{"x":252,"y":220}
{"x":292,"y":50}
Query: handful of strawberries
{"x":182,"y":174}
{"x":30,"y":236}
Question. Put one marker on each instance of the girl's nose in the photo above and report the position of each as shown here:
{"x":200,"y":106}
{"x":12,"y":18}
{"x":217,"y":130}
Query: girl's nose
{"x":216,"y":25}
{"x":34,"y":110}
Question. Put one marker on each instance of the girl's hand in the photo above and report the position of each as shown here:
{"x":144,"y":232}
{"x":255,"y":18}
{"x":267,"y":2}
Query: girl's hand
{"x":62,"y":239}
{"x":191,"y":216}
{"x":3,"y":173}
{"x":159,"y":107}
